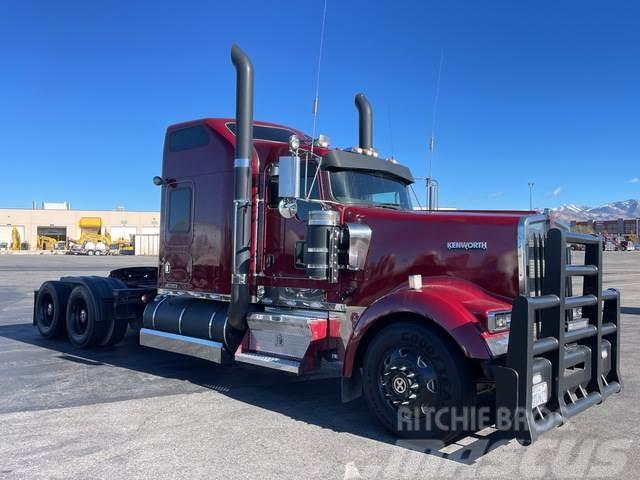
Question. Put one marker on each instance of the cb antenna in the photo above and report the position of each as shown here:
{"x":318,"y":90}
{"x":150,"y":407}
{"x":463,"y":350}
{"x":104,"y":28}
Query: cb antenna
{"x":316,"y":100}
{"x":432,"y":183}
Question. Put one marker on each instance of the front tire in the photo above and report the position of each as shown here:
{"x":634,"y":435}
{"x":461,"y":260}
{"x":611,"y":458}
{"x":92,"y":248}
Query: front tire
{"x":418,"y":383}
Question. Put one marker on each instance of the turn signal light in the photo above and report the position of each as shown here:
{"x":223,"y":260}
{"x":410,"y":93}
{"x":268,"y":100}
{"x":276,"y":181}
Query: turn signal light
{"x":499,"y":321}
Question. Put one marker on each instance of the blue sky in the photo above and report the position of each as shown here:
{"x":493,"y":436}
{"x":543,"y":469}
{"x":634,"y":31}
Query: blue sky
{"x":543,"y":91}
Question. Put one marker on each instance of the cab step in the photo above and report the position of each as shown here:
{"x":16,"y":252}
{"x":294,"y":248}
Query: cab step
{"x":268,"y":361}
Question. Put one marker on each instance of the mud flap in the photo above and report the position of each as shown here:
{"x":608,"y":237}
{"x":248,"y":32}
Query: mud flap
{"x":128,"y":304}
{"x":351,"y":387}
{"x":553,"y":372}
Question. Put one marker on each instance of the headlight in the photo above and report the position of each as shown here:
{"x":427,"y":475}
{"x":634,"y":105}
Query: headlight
{"x":323,"y":141}
{"x":294,"y":143}
{"x":499,"y":321}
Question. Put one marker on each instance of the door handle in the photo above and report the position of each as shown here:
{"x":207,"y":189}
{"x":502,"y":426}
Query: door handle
{"x":270,"y":260}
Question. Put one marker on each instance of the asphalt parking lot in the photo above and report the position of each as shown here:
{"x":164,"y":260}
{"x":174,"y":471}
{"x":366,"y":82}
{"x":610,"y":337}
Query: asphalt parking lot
{"x":131,"y":412}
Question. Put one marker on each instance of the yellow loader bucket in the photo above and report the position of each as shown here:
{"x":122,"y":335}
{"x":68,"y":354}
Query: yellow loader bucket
{"x":90,"y":223}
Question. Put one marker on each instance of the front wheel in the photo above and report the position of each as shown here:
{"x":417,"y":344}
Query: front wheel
{"x":418,"y":383}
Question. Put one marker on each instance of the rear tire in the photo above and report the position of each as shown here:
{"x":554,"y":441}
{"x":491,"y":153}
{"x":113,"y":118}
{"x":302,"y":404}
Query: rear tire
{"x":50,"y":309}
{"x":84,"y":328}
{"x":417,"y":382}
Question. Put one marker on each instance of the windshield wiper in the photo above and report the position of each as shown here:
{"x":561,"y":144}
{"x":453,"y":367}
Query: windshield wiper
{"x":393,"y":206}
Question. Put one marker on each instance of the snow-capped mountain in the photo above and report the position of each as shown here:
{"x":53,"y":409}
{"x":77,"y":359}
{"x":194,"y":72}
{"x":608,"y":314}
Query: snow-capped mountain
{"x":610,"y":211}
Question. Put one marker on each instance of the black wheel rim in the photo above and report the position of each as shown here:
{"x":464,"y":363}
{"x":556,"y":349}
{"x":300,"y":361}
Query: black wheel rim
{"x":79,"y":316}
{"x":47,"y":310}
{"x":409,"y":381}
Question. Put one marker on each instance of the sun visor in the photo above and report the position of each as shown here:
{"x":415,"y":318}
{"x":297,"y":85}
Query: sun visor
{"x":343,"y":160}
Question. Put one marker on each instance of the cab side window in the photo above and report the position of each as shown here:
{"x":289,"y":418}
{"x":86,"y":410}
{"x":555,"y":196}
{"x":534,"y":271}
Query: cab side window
{"x":272,"y":191}
{"x":303,"y":206}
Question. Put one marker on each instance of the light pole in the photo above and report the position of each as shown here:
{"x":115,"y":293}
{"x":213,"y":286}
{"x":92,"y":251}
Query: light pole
{"x":531,"y":184}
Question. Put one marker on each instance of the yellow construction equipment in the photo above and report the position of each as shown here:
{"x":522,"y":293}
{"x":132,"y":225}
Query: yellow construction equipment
{"x":46,"y":243}
{"x":15,"y":239}
{"x":90,"y":231}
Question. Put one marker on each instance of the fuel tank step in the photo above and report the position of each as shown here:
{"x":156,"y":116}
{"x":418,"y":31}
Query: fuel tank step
{"x":194,"y":347}
{"x":275,"y":363}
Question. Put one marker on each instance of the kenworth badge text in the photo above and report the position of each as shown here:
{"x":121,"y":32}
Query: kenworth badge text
{"x":280,"y":252}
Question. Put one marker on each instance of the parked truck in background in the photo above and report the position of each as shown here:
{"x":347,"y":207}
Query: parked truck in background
{"x":281,"y":252}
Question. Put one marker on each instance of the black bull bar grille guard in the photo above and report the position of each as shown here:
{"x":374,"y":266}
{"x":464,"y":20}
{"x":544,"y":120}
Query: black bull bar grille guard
{"x":580,"y":366}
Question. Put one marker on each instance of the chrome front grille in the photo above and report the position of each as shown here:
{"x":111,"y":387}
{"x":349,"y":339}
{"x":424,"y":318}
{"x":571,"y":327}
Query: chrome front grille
{"x":535,"y":265}
{"x":532,"y":244}
{"x":532,"y":235}
{"x":532,"y":239}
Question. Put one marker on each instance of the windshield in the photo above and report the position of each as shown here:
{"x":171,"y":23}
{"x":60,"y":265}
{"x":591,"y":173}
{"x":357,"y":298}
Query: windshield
{"x":372,"y":188}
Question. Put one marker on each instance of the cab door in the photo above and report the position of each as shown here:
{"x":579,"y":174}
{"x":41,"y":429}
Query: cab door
{"x":284,"y":238}
{"x":177,"y":235}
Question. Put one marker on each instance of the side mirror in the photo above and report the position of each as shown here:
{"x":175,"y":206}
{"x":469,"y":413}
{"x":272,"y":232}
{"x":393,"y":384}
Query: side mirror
{"x":288,"y":207}
{"x":289,"y":173}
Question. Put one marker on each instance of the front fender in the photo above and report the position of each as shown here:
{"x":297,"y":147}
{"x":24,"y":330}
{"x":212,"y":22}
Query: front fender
{"x":453,"y":304}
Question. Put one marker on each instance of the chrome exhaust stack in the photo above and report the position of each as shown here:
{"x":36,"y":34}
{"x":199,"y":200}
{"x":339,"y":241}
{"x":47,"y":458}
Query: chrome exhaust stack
{"x":239,"y":305}
{"x":365,"y":123}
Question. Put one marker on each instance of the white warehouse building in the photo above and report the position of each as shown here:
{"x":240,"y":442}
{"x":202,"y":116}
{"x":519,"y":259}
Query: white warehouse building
{"x":58,"y":221}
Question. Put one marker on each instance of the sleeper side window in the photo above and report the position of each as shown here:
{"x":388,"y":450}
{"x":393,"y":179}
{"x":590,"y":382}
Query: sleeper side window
{"x":188,"y":138}
{"x":180,"y":210}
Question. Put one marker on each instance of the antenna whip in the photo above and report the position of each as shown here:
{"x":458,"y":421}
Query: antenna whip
{"x":432,"y":185}
{"x":316,"y":101}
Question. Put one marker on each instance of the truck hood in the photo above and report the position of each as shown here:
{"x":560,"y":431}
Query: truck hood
{"x":479,"y":247}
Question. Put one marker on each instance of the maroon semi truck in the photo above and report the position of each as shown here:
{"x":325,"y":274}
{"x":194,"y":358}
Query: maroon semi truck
{"x":280,"y":252}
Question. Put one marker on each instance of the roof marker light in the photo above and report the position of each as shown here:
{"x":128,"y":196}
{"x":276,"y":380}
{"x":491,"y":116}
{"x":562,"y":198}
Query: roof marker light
{"x":415,"y":282}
